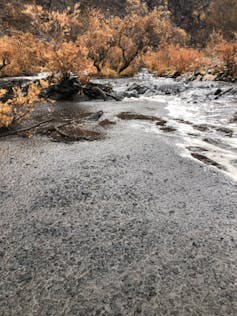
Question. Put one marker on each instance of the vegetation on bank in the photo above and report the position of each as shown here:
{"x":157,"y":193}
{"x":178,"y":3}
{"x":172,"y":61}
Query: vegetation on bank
{"x":92,"y":44}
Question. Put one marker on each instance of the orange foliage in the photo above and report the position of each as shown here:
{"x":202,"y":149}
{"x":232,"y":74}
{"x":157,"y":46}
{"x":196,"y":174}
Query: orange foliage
{"x":94,"y":44}
{"x":116,"y":44}
{"x":76,"y":41}
{"x":18,"y":108}
{"x":68,"y":57}
{"x":6,"y":116}
{"x":54,"y":25}
{"x":24,"y":54}
{"x":174,"y":58}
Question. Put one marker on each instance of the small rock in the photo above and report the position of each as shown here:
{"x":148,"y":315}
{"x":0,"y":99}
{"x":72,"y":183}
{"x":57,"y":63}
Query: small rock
{"x":218,"y":91}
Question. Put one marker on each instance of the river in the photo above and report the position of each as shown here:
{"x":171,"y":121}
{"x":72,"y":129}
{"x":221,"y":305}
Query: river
{"x":202,"y":115}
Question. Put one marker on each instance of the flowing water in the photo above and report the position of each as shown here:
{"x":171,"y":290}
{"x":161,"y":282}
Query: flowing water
{"x":201,"y":116}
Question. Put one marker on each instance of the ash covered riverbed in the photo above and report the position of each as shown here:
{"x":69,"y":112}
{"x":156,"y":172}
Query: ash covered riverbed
{"x":126,"y":225}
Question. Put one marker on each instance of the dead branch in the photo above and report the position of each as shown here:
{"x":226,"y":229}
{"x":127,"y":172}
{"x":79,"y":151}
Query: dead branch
{"x":14,"y":132}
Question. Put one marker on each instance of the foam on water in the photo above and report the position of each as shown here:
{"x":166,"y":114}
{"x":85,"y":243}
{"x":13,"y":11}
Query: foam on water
{"x":222,"y":149}
{"x":201,"y":120}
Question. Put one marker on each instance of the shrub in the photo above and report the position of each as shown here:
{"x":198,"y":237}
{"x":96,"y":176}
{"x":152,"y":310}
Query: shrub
{"x":19,"y":107}
{"x":23,"y":53}
{"x":174,"y":58}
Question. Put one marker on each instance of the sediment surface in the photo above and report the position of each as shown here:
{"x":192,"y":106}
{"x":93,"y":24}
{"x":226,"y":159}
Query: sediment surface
{"x":120,"y":226}
{"x":127,"y":224}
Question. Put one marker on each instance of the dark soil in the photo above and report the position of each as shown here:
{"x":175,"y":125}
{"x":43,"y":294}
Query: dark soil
{"x":161,"y":123}
{"x":227,"y":131}
{"x":201,"y":127}
{"x":137,"y":116}
{"x":168,"y":129}
{"x":207,"y":160}
{"x":106,"y":123}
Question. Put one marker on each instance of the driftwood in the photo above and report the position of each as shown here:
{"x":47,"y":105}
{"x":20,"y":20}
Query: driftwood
{"x":81,"y":129}
{"x":78,"y":129}
{"x":69,"y":136}
{"x":94,"y":92}
{"x":69,"y":86}
{"x":24,"y":129}
{"x":116,"y":98}
{"x":66,"y":88}
{"x":63,"y":90}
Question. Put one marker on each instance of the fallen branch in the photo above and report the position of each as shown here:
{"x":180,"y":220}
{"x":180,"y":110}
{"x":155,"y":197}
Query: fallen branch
{"x":114,"y":97}
{"x":71,"y":137}
{"x":62,"y":133}
{"x":25,"y":129}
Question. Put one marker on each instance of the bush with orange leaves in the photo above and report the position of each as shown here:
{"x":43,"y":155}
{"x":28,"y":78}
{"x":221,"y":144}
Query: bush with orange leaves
{"x":54,"y":25}
{"x":117,"y":44}
{"x":21,"y":55}
{"x":53,"y":45}
{"x":175,"y":58}
{"x":18,"y":108}
{"x":67,"y":57}
{"x":93,"y":44}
